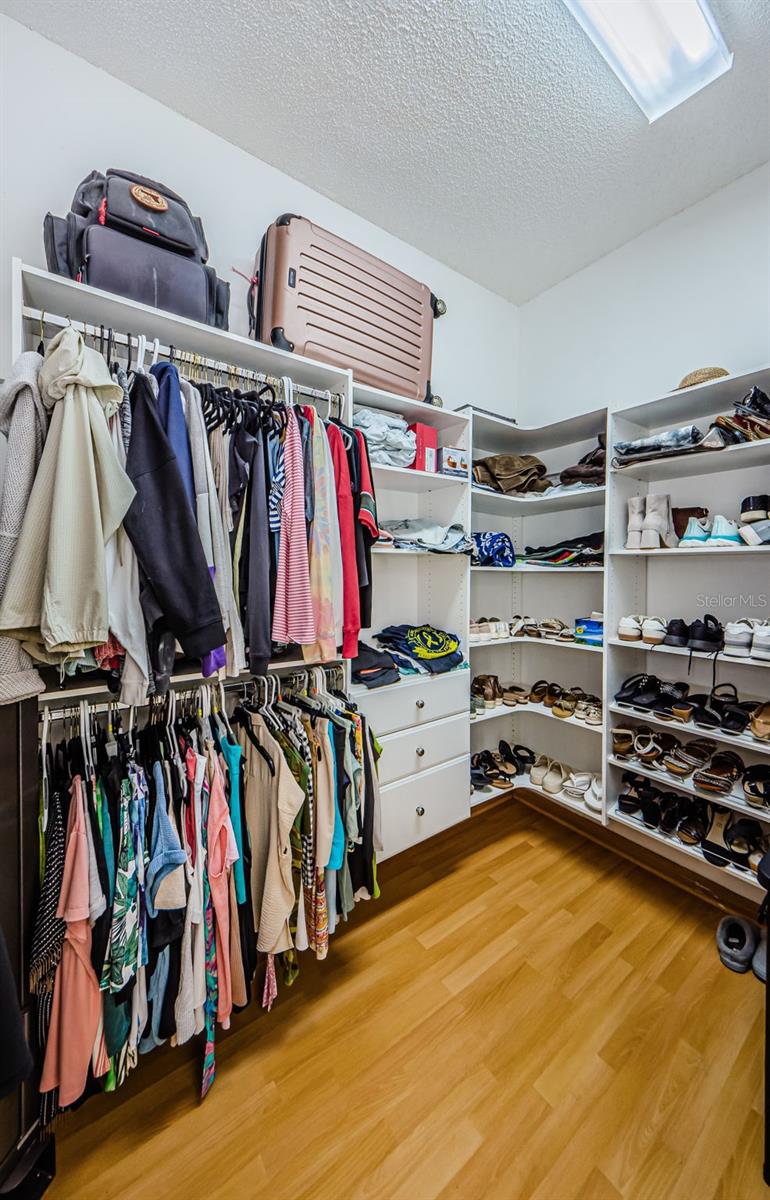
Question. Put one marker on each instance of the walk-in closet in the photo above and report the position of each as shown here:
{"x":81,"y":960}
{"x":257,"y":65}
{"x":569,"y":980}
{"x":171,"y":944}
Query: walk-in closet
{"x":385,"y":600}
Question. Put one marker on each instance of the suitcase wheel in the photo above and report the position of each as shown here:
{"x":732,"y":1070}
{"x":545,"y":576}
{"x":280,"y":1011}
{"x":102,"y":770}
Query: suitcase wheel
{"x":438,"y":306}
{"x":279,"y":339}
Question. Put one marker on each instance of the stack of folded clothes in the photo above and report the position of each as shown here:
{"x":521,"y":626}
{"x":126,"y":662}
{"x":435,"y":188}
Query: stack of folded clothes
{"x":511,"y":473}
{"x":373,"y":668}
{"x":584,"y":551}
{"x":419,"y":533}
{"x":590,"y":470}
{"x":750,"y":422}
{"x":390,"y":442}
{"x":422,"y":649}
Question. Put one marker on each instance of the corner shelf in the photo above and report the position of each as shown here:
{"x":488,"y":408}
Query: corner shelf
{"x":406,"y":479}
{"x":537,"y":710}
{"x":528,"y":641}
{"x":500,"y":504}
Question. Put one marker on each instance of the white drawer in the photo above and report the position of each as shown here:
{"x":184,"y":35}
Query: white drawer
{"x":414,"y":751}
{"x":415,"y":702}
{"x":417,"y":807}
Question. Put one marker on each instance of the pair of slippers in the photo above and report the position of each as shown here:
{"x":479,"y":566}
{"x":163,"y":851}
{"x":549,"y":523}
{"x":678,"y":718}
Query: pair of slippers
{"x":742,"y":946}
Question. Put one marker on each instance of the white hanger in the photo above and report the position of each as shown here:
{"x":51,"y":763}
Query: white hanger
{"x":155,"y":351}
{"x":141,"y":350}
{"x":288,"y":391}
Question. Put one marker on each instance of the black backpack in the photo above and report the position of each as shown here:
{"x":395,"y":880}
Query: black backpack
{"x":136,"y":237}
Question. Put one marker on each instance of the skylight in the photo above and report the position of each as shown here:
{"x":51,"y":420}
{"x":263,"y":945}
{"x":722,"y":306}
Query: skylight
{"x":662,"y":51}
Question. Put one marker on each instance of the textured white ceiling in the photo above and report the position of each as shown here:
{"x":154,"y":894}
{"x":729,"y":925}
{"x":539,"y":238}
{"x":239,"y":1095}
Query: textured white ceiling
{"x":487,"y":132}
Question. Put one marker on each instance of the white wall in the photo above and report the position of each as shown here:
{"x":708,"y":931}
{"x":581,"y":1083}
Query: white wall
{"x":62,"y":117}
{"x":692,"y":292}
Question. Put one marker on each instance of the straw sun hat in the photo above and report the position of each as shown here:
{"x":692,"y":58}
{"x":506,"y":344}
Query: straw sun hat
{"x":702,"y":375}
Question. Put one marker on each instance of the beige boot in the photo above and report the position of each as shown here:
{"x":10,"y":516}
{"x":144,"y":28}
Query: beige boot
{"x":658,"y":525}
{"x":635,"y":523}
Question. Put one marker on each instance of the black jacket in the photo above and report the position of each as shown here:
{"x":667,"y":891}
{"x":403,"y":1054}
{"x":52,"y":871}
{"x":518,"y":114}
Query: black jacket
{"x":177,"y":590}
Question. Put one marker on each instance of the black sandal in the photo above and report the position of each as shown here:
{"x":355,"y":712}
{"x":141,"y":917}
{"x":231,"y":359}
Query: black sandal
{"x":756,"y":785}
{"x":692,"y":829}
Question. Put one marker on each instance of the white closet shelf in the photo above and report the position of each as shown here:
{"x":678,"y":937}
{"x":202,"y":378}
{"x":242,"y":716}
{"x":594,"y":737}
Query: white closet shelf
{"x":498,"y":504}
{"x":703,"y":400}
{"x":680,"y":555}
{"x":576,"y":806}
{"x":668,"y":782}
{"x":685,"y":729}
{"x":529,"y":641}
{"x":499,"y":435}
{"x":706,"y":462}
{"x":53,"y":294}
{"x":360,"y":689}
{"x":411,"y":410}
{"x":721,"y":657}
{"x":463,"y":558}
{"x":537,"y":710}
{"x":526,"y":569}
{"x":745,"y":881}
{"x":407,"y":480}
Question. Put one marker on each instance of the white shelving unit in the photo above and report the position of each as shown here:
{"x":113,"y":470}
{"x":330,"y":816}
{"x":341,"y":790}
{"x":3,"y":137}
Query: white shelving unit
{"x":573,"y":592}
{"x":730,"y":583}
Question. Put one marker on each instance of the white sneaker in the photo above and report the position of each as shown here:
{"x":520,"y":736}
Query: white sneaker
{"x":760,"y":644}
{"x":724,"y":532}
{"x":756,"y":534}
{"x":696,"y":533}
{"x":653,"y":631}
{"x":738,"y":637}
{"x":630,"y":628}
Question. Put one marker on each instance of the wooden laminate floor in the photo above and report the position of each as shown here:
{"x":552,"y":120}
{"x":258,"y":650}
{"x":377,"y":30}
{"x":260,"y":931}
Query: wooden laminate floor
{"x":522,"y":1015}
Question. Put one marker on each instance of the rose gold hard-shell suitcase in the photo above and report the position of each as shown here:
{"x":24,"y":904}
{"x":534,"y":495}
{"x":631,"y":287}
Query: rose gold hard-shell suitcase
{"x":320,"y":296}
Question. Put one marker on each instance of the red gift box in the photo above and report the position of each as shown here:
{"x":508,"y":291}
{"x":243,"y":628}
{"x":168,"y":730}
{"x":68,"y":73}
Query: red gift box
{"x":427,"y":445}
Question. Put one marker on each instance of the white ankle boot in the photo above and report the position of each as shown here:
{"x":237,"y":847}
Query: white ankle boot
{"x":635,"y":522}
{"x":658,"y":525}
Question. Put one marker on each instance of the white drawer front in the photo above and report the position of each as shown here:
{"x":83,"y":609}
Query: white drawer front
{"x":421,"y":805}
{"x":414,"y":751}
{"x":408,"y":704}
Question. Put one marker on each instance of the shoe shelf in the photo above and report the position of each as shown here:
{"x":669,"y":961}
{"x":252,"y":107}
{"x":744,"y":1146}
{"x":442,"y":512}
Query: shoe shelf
{"x":721,"y":657}
{"x":499,"y":504}
{"x":704,"y":462}
{"x":529,"y":641}
{"x":636,"y":582}
{"x":668,"y":845}
{"x":671,"y":783}
{"x":679,"y":728}
{"x":537,"y":710}
{"x":577,"y":806}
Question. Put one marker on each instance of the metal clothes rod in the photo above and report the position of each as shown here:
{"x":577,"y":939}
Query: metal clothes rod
{"x":183,"y":684}
{"x":183,"y":358}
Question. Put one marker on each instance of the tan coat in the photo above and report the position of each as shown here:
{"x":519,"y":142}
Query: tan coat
{"x":55,"y":601}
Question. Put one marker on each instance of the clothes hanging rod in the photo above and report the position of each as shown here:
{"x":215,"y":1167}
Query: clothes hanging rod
{"x":296,"y":667}
{"x":176,"y":354}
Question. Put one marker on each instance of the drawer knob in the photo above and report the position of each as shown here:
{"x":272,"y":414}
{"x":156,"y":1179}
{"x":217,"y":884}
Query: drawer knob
{"x":420,"y":810}
{"x":420,"y":751}
{"x":420,"y":703}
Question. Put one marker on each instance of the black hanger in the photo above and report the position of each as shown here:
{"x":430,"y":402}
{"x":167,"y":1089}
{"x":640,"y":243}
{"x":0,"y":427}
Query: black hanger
{"x":241,"y":717}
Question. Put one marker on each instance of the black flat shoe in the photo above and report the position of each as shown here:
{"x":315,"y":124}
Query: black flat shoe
{"x":629,"y":687}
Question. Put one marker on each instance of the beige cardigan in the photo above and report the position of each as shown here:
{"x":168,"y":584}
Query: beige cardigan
{"x":55,"y":601}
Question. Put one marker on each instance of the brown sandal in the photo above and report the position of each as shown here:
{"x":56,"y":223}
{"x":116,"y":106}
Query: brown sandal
{"x":515,"y":694}
{"x":538,"y":691}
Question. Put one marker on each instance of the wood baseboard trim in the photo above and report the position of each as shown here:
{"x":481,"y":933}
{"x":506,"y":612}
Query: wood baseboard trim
{"x":681,"y":877}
